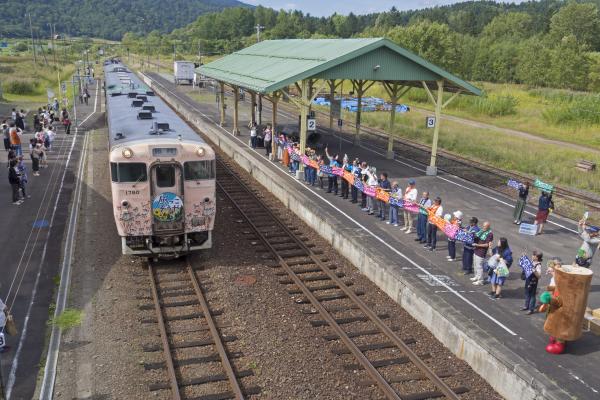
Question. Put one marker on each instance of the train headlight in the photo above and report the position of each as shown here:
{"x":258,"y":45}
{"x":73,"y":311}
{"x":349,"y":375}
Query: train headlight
{"x":127,"y":153}
{"x":200,"y":151}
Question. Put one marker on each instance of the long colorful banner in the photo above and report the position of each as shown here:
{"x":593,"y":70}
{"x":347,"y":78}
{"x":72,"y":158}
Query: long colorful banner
{"x":449,"y":229}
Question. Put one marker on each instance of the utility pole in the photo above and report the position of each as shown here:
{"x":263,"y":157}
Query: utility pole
{"x":259,"y":28}
{"x":174,"y":52}
{"x":32,"y":42}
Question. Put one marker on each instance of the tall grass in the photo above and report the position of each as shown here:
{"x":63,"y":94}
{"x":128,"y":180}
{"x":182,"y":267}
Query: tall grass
{"x":494,"y":105}
{"x":22,"y":88}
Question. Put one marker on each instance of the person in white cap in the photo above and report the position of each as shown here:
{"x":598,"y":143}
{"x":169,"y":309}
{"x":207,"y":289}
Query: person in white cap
{"x":410,"y":196}
{"x":456,"y":219}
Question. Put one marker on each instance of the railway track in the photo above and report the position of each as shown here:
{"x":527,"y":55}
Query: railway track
{"x":187,"y":325}
{"x":335,"y":305}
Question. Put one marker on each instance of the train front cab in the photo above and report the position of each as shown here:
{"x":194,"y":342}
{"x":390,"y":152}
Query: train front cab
{"x":166,"y":208}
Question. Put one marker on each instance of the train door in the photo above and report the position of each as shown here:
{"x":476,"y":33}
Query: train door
{"x":167,"y":197}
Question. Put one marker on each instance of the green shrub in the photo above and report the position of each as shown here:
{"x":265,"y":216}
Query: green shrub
{"x":70,"y":318}
{"x":20,"y":47}
{"x":21,"y":87}
{"x":493,"y":106}
{"x":5,"y":69}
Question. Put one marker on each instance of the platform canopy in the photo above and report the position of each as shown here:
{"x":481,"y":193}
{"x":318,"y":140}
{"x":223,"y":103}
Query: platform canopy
{"x":275,"y":64}
{"x":269,"y":68}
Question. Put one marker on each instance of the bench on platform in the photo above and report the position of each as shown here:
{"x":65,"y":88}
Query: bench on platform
{"x":585,"y":166}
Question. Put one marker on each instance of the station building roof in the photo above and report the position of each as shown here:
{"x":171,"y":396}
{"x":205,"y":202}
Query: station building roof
{"x":272,"y":65}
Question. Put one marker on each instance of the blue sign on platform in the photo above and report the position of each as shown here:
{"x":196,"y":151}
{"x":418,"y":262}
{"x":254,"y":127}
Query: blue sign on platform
{"x":41,"y":223}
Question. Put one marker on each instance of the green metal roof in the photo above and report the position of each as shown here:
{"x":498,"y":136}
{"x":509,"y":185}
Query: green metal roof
{"x":271,"y":65}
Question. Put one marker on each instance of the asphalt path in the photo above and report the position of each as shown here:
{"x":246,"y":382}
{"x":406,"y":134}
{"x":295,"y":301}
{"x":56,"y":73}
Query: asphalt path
{"x":31,"y":242}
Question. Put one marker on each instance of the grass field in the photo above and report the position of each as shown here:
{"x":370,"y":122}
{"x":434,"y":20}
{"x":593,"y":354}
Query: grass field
{"x":25,"y":84}
{"x":534,"y":112}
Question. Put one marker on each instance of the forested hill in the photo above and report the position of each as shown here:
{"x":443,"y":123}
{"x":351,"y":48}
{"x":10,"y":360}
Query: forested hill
{"x":552,"y":43}
{"x":108,"y":19}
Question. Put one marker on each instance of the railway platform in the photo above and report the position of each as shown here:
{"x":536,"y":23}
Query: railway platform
{"x":32,"y":240}
{"x":488,"y":333}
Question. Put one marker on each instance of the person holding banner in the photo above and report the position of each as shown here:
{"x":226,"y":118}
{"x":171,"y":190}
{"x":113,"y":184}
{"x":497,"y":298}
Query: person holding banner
{"x":482,"y":244}
{"x":385,"y":185}
{"x":357,"y":177}
{"x":455,"y":220}
{"x":410,"y":195}
{"x":436,"y":210}
{"x":468,"y":249}
{"x":2,"y":323}
{"x":332,"y":183}
{"x":345,"y":185}
{"x":364,"y":178}
{"x":521,"y":202}
{"x":424,"y":203}
{"x":372,"y":182}
{"x":544,"y":206}
{"x":396,"y":193}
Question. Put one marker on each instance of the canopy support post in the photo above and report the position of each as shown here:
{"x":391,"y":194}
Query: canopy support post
{"x":432,"y":168}
{"x":359,"y":86}
{"x":222,"y":99}
{"x":304,"y":107}
{"x":395,"y":91}
{"x":275,"y":102}
{"x":253,"y":108}
{"x":236,"y":109}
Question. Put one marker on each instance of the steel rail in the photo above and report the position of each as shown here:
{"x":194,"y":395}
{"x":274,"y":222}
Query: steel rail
{"x":164,"y":337}
{"x":413,"y":357}
{"x":237,"y":391}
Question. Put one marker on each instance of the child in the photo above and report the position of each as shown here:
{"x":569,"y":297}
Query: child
{"x":531,"y":282}
{"x":36,"y":155}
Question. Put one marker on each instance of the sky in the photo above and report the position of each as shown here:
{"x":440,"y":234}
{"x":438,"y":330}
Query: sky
{"x":328,"y":7}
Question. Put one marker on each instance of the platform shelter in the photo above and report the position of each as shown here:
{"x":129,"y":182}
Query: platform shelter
{"x":269,"y":68}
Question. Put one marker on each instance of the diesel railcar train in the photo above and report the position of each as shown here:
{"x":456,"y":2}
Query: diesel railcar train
{"x":162,"y":172}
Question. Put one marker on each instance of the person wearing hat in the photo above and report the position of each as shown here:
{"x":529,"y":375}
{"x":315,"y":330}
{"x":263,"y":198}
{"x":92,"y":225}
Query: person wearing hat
{"x":410,"y":195}
{"x":456,"y":219}
{"x":591,"y":241}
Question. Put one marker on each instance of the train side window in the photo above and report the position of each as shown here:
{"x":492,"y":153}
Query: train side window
{"x":165,"y":175}
{"x":114,"y":172}
{"x":199,"y":170}
{"x":132,"y":172}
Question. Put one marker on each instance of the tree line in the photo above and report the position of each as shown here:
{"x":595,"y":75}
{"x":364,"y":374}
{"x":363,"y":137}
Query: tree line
{"x":539,"y":43}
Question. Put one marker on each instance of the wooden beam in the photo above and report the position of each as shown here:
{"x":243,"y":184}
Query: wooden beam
{"x":428,"y":92}
{"x":455,"y":95}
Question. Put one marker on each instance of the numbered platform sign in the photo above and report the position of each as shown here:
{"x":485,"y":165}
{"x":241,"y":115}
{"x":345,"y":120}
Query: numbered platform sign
{"x":430,"y":122}
{"x":2,"y":340}
{"x":312,"y":125}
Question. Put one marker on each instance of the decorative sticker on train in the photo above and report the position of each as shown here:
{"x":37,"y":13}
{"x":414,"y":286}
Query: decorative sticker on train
{"x":167,"y":207}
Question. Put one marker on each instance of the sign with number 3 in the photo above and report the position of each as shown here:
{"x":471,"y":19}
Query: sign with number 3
{"x":2,"y":341}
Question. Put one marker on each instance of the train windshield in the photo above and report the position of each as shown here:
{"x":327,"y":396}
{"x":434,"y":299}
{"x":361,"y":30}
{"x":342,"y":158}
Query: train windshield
{"x":199,"y":170}
{"x":128,"y":172}
{"x":165,"y":176}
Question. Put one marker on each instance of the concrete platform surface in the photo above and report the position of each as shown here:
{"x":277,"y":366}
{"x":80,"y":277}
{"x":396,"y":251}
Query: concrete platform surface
{"x":498,"y":325}
{"x":31,"y":239}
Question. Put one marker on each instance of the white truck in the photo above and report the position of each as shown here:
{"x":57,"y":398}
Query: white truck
{"x":183,"y":71}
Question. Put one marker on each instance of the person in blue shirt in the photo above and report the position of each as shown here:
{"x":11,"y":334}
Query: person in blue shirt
{"x":345,"y":185}
{"x":468,"y":249}
{"x":498,"y":277}
{"x":386,"y":186}
{"x":332,"y":182}
{"x":357,"y":176}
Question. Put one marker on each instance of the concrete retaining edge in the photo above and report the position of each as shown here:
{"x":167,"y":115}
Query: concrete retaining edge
{"x":509,"y":374}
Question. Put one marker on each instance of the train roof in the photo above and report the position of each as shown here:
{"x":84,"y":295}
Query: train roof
{"x":135,"y":114}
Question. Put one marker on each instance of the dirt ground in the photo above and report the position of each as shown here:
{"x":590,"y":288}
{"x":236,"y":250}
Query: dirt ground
{"x":103,"y":358}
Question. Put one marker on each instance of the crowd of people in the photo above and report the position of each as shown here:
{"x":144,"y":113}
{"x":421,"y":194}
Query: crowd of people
{"x":43,"y":126}
{"x":486,"y":258}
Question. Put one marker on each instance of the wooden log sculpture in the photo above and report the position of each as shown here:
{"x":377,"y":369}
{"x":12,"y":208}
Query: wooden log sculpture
{"x":566,"y":305}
